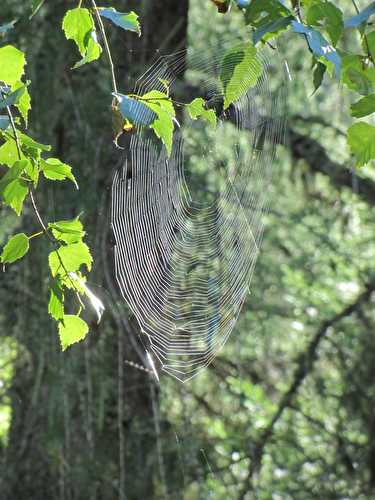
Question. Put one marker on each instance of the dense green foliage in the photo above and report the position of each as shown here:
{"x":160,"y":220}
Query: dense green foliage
{"x":286,"y":411}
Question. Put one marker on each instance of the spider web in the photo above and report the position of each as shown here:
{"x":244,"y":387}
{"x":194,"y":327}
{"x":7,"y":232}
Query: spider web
{"x":188,"y":226}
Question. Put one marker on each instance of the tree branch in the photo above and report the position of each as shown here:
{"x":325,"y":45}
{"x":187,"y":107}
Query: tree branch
{"x":305,"y":363}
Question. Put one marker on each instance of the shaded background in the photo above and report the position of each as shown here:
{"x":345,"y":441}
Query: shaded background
{"x":287,"y":409}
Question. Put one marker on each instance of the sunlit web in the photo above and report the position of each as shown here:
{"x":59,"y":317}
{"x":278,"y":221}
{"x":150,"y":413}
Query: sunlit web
{"x":188,"y":227}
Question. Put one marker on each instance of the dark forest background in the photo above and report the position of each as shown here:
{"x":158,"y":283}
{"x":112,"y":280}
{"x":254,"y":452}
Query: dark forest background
{"x":286,"y":411}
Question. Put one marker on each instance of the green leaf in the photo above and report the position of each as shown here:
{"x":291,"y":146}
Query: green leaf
{"x":356,"y":77}
{"x":13,"y":189}
{"x":56,"y":300}
{"x":163,"y":125}
{"x":364,"y":107}
{"x":68,"y":231}
{"x":15,"y":249}
{"x":361,"y":140}
{"x":72,"y":329}
{"x":24,"y":103}
{"x":197,"y":109}
{"x":269,"y":30}
{"x":370,"y":40}
{"x":12,"y":98}
{"x":12,"y":64}
{"x":127,"y":21}
{"x":78,"y":25}
{"x":8,"y":152}
{"x":262,"y":12}
{"x":56,"y":170}
{"x":319,"y":72}
{"x":29,"y":142}
{"x":327,"y":16}
{"x":240,"y":70}
{"x":72,"y":256}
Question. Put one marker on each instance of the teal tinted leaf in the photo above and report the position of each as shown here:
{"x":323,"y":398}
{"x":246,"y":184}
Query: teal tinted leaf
{"x":72,"y":329}
{"x":56,"y":170}
{"x":12,"y":64}
{"x":318,"y":45}
{"x":361,"y":140}
{"x":12,"y":98}
{"x":56,"y":300}
{"x":127,"y":21}
{"x":134,"y":110}
{"x":7,"y":27}
{"x":197,"y":109}
{"x":327,"y":16}
{"x":360,"y":18}
{"x":13,"y":189}
{"x":240,"y":70}
{"x":4,"y":123}
{"x":364,"y":107}
{"x":267,"y":31}
{"x":15,"y":249}
{"x":242,"y":4}
{"x":78,"y":26}
{"x":69,"y":231}
{"x":72,"y":256}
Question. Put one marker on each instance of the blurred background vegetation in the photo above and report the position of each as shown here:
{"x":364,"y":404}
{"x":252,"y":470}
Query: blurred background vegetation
{"x":286,"y":411}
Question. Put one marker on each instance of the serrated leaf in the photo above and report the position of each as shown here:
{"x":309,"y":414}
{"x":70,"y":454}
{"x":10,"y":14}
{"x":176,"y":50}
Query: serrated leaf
{"x":72,"y":329}
{"x":362,"y":17}
{"x":197,"y":109}
{"x":318,"y":45}
{"x":13,"y":189}
{"x":15,"y":249}
{"x":364,"y":107}
{"x":361,"y":140}
{"x":127,"y":21}
{"x":161,"y":104}
{"x":8,"y":152}
{"x":69,"y":231}
{"x":327,"y":16}
{"x":12,"y":64}
{"x":56,"y":170}
{"x":56,"y":300}
{"x":240,"y":70}
{"x":356,"y":77}
{"x":73,"y":256}
{"x":78,"y":25}
{"x":12,"y":98}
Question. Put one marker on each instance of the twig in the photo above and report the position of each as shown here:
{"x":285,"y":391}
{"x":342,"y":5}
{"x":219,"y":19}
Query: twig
{"x":106,"y":45}
{"x":364,"y":35}
{"x":304,"y":366}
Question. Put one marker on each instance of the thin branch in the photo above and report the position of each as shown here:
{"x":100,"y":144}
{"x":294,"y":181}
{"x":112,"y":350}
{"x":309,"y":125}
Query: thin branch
{"x":305,"y":364}
{"x":369,"y":55}
{"x":106,"y":45}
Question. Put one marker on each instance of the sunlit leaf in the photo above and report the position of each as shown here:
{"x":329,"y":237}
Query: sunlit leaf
{"x":364,"y":107}
{"x":197,"y":109}
{"x":14,"y":189}
{"x":69,"y":231}
{"x":95,"y":302}
{"x":72,"y":329}
{"x":70,"y":258}
{"x":56,"y":170}
{"x":240,"y":70}
{"x":12,"y":64}
{"x":56,"y":300}
{"x":361,"y":140}
{"x":15,"y":249}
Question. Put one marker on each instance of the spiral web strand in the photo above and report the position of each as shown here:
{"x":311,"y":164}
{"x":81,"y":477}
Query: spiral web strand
{"x":188,"y":227}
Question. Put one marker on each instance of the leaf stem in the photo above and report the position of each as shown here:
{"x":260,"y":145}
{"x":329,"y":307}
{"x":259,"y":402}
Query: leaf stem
{"x":106,"y":45}
{"x":35,"y":235}
{"x":369,"y":55}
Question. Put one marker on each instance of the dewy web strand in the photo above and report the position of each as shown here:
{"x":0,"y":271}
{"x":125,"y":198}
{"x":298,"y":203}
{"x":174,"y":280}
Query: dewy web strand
{"x":188,"y":227}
